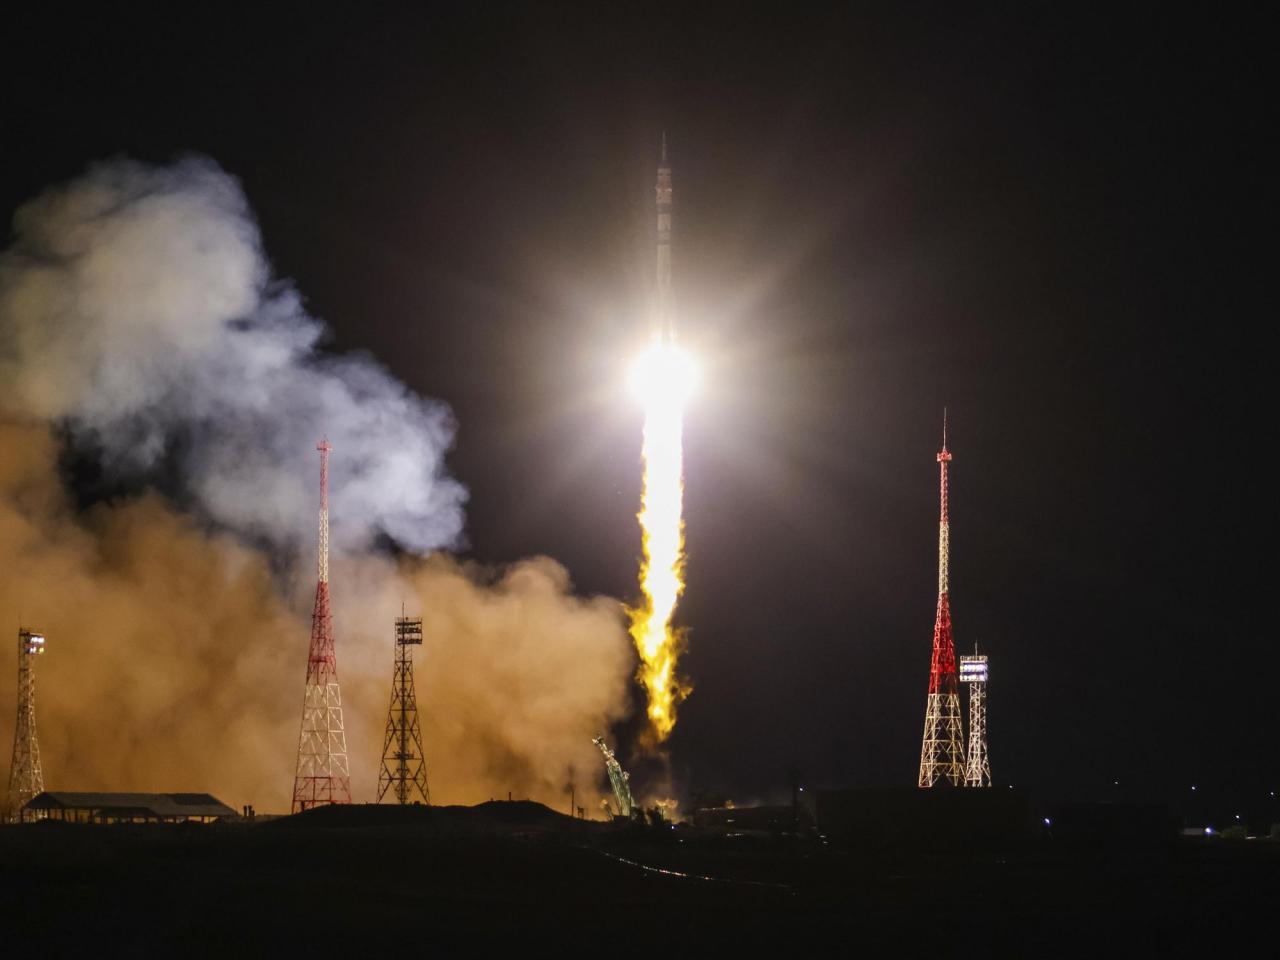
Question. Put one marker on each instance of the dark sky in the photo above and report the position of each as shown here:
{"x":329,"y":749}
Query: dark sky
{"x":1044,"y":221}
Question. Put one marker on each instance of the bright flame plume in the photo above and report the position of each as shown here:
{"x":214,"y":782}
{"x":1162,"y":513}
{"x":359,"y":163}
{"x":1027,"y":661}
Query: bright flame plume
{"x":662,"y":380}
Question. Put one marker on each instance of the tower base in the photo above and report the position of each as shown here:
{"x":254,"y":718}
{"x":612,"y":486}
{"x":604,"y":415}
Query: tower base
{"x":942,"y":751}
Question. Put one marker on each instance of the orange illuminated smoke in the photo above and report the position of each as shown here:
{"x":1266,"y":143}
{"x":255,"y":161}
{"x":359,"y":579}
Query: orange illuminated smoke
{"x":663,"y":379}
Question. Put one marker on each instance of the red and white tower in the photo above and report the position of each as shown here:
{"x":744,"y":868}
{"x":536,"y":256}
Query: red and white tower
{"x":942,"y":754}
{"x":322,"y":775}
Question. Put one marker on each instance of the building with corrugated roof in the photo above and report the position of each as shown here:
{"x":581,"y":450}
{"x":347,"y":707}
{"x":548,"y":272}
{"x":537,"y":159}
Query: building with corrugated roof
{"x":126,"y":807}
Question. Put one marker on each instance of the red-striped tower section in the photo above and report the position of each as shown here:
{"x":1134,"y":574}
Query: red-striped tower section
{"x":942,"y":756}
{"x":322,"y":774}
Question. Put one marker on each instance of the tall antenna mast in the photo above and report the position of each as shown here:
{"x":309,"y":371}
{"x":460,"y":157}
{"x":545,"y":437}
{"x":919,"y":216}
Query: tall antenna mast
{"x":322,"y":775}
{"x":26,"y":778}
{"x":404,"y":767}
{"x":942,"y":750}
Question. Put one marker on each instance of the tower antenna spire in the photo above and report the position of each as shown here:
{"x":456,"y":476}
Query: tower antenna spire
{"x":942,"y":753}
{"x":322,"y":775}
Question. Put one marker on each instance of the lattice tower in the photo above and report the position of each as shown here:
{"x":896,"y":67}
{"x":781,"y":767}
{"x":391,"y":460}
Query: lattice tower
{"x":942,"y":749}
{"x":404,"y":767}
{"x":322,"y":775}
{"x":977,"y":768}
{"x":26,"y":778}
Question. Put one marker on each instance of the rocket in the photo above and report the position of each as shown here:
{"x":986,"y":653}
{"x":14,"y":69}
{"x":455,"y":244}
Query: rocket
{"x":664,"y":320}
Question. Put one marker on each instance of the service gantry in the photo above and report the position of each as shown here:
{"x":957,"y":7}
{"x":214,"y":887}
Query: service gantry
{"x":404,"y":767}
{"x":617,"y":779}
{"x":26,"y":778}
{"x":973,"y":671}
{"x":322,"y":775}
{"x":942,"y":750}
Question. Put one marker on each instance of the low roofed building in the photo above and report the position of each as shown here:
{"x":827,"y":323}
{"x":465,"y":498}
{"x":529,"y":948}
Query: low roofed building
{"x":126,"y":807}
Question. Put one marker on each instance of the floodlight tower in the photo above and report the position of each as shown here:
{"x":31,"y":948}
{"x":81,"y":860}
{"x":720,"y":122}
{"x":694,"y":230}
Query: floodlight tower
{"x":322,"y":775}
{"x":404,"y":767}
{"x":942,"y":750}
{"x":977,"y":769}
{"x":26,"y":779}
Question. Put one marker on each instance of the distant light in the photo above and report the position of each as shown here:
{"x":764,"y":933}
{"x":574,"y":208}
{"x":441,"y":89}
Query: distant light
{"x":1193,"y":786}
{"x":1117,"y":783}
{"x":802,"y":791}
{"x":1046,"y":821}
{"x":1208,"y":830}
{"x":1237,"y":816}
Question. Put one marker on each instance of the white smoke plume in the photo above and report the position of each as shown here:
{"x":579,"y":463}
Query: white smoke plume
{"x":137,"y":307}
{"x":138,"y":312}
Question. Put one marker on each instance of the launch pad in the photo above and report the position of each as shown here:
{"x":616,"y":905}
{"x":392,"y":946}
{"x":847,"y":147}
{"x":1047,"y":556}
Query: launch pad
{"x":517,"y":873}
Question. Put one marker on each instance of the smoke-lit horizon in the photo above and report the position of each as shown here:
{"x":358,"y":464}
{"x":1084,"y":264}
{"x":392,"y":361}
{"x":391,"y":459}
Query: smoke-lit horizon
{"x":139,"y":316}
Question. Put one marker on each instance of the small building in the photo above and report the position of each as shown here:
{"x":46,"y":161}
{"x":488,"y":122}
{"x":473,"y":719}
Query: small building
{"x":126,"y":807}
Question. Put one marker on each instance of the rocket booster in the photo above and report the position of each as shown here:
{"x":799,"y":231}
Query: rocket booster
{"x":664,"y":320}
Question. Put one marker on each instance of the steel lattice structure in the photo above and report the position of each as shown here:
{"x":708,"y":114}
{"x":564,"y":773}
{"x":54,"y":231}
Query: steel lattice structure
{"x":618,"y":779}
{"x":26,"y":778}
{"x":404,"y":767}
{"x":977,"y":769}
{"x":322,"y":775}
{"x":942,"y":750}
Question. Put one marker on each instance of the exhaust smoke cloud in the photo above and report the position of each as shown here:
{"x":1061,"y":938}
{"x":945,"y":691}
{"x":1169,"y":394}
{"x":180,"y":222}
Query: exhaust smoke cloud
{"x":137,"y":306}
{"x":138,"y":315}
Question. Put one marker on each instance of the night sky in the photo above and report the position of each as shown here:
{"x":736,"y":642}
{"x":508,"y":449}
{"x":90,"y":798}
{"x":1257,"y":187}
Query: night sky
{"x":1046,"y":223}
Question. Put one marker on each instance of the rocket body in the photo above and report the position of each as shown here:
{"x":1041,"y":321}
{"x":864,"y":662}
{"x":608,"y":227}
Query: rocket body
{"x":664,"y":329}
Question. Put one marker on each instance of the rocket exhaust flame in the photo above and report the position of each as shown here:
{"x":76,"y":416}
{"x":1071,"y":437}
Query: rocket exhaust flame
{"x":663,"y":379}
